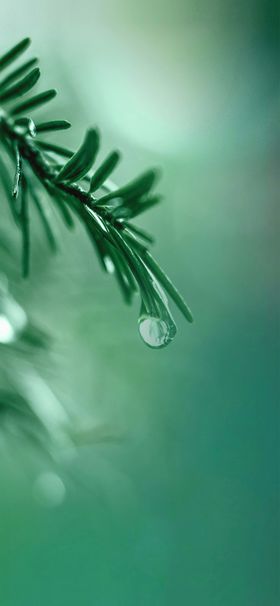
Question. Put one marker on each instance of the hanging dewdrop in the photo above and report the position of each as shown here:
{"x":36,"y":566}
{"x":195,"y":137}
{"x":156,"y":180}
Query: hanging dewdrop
{"x":80,"y":191}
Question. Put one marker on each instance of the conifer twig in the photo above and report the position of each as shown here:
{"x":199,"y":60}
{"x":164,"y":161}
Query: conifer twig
{"x":80,"y":190}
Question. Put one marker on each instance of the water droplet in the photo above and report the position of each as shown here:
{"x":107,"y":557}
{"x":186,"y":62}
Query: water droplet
{"x":49,"y":489}
{"x":156,"y":332}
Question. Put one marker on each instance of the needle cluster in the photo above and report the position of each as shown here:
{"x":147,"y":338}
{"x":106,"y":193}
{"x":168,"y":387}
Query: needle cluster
{"x":81,"y":190}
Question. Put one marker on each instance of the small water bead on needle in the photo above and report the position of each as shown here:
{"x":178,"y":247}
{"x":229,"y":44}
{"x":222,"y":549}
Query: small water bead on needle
{"x":13,"y":319}
{"x":154,"y":331}
{"x":157,"y":331}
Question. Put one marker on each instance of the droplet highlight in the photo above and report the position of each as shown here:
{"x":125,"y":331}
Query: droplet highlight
{"x":49,"y":489}
{"x":156,"y":332}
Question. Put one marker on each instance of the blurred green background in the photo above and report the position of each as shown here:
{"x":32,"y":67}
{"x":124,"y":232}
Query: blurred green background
{"x":182,"y":507}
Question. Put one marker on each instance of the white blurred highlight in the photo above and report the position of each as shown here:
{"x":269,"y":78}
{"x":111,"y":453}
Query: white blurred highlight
{"x":49,"y":489}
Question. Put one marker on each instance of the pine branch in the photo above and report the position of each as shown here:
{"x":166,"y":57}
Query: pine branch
{"x":79,"y":191}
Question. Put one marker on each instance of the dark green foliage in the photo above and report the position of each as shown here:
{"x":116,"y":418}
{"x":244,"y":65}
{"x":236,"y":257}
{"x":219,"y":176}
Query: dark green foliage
{"x":136,"y":207}
{"x":103,"y":209}
{"x":104,"y":171}
{"x":82,"y":161}
{"x":53,"y":125}
{"x":168,"y":286}
{"x":24,"y":218}
{"x":14,"y":53}
{"x":17,"y":73}
{"x":134,"y":190}
{"x":34,"y":102}
{"x":21,"y":87}
{"x":56,"y":149}
{"x":139,"y":232}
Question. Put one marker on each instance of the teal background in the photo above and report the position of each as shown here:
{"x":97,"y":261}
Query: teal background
{"x":180,"y":506}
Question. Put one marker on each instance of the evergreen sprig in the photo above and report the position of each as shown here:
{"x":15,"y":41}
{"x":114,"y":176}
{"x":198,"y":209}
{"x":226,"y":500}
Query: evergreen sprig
{"x":82,"y":191}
